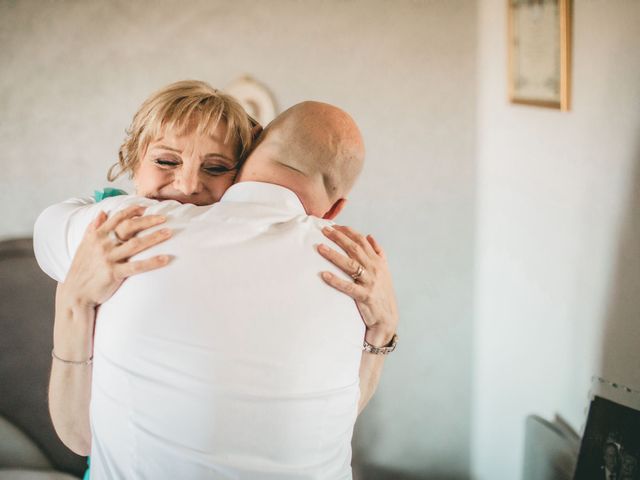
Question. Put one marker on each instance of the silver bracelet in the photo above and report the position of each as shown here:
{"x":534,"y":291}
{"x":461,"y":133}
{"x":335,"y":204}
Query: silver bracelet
{"x":71,"y":362}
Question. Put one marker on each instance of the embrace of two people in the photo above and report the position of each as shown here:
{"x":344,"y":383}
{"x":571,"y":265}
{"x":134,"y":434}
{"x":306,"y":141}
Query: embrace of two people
{"x":250,"y":331}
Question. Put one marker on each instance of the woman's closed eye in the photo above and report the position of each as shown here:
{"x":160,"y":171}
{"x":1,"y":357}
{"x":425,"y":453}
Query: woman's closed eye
{"x":209,"y":169}
{"x":217,"y":169}
{"x":167,"y":163}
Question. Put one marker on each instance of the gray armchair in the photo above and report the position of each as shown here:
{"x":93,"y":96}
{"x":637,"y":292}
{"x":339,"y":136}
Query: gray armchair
{"x":27,"y":437}
{"x":550,"y":450}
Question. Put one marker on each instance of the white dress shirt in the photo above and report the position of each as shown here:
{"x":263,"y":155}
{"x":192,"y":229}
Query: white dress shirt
{"x":235,"y":361}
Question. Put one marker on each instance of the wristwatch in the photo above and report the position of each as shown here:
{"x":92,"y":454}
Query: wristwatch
{"x":385,"y":350}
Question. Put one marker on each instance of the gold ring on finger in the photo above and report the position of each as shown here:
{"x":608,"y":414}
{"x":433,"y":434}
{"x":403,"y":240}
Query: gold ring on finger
{"x":113,"y":236}
{"x":358,"y":273}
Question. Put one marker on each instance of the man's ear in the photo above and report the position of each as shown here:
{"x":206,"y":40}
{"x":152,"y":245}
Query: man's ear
{"x":335,"y":209}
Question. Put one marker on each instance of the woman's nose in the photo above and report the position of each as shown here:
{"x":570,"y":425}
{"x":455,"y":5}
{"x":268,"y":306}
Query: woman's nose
{"x":187,"y":181}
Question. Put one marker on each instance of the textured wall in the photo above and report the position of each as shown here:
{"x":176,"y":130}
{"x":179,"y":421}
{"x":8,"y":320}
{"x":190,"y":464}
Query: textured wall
{"x":558,"y":252}
{"x":74,"y":73}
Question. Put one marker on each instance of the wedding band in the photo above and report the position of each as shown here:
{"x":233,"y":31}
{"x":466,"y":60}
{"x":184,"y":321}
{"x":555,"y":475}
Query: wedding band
{"x":113,"y":236}
{"x":358,"y":273}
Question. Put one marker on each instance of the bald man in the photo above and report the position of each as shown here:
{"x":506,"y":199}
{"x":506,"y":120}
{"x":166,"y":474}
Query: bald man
{"x":315,"y":150}
{"x":236,"y":361}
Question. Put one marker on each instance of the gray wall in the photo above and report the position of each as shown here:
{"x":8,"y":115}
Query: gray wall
{"x":74,"y":73}
{"x":558,"y":250}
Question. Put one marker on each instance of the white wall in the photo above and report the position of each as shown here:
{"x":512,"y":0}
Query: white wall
{"x":558,"y":246}
{"x":74,"y":73}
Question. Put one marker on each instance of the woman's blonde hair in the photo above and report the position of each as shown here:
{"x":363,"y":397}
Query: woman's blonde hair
{"x":183,"y":107}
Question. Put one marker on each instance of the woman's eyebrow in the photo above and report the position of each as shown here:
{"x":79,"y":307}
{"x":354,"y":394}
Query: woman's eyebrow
{"x":219,"y":155}
{"x":166,"y":147}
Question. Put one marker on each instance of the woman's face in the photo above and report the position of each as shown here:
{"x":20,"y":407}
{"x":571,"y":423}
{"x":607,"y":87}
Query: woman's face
{"x":189,"y":168}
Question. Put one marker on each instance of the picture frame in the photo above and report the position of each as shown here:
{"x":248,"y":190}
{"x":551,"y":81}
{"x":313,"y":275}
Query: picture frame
{"x":611,"y":442}
{"x":255,"y":98}
{"x":539,"y":52}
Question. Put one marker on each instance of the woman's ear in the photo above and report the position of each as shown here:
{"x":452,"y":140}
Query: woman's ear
{"x":256,"y":130}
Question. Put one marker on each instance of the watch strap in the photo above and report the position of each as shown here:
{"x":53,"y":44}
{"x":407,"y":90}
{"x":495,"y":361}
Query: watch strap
{"x":384,"y":350}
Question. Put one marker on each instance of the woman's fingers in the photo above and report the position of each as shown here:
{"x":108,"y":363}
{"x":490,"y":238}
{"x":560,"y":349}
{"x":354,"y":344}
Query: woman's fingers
{"x":371,"y":287}
{"x":355,"y":237}
{"x":128,"y":269}
{"x":97,"y":222}
{"x":139,"y":244}
{"x":344,"y":263}
{"x":114,"y":220}
{"x":375,"y":245}
{"x":352,"y":248}
{"x":355,"y":291}
{"x":130,"y":227}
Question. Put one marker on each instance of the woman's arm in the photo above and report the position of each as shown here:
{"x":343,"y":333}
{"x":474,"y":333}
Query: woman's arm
{"x":372,"y":291}
{"x":99,"y":267}
{"x":70,"y":383}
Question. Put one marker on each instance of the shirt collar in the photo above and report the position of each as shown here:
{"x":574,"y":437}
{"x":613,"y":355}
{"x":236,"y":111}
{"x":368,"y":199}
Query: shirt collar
{"x":264,"y":194}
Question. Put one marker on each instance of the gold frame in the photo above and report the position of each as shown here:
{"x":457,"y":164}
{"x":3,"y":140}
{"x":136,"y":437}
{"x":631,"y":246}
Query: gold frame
{"x":563,"y":104}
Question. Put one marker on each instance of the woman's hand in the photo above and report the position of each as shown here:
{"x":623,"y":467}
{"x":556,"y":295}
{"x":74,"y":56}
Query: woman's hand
{"x":372,"y":288}
{"x":101,"y":262}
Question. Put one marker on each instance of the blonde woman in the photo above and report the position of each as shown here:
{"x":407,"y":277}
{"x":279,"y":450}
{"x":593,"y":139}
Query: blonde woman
{"x":185,"y":144}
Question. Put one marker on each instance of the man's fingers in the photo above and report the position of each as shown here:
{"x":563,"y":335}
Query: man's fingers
{"x":115,"y":220}
{"x":355,"y":291}
{"x":344,"y":263}
{"x":130,"y":227}
{"x":128,"y":269}
{"x":139,"y":244}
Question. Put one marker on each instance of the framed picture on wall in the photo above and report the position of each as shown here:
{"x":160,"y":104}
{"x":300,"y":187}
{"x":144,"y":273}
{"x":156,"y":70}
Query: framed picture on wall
{"x":254,"y":97}
{"x":539,"y":44}
{"x":611,"y":443}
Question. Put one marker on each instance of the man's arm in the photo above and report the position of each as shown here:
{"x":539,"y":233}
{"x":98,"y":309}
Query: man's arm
{"x":60,"y":228}
{"x":54,"y":232}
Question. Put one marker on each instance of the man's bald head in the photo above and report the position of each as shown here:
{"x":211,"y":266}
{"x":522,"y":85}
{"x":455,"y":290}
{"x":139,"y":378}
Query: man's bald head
{"x":314,"y":149}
